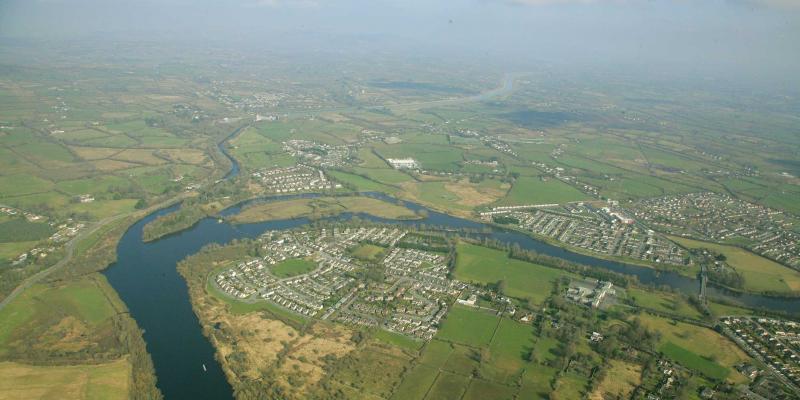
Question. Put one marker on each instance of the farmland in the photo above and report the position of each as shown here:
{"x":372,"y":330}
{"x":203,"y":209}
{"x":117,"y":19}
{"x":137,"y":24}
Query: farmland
{"x":86,"y":382}
{"x":469,"y":327}
{"x":533,"y":190}
{"x":61,"y":339}
{"x":663,"y":302}
{"x":524,"y":280}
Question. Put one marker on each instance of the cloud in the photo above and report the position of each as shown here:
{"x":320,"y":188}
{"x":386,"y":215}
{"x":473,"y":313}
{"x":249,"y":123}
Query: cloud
{"x":284,"y":3}
{"x":548,"y":2}
{"x":775,"y":4}
{"x":782,"y":4}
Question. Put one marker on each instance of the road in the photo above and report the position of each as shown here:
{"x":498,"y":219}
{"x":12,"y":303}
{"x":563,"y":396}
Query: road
{"x":70,"y":248}
{"x":756,"y":355}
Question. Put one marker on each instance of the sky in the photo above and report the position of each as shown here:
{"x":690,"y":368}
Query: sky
{"x":751,"y":39}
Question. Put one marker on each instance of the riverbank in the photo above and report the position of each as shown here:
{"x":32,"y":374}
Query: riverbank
{"x":761,"y":275}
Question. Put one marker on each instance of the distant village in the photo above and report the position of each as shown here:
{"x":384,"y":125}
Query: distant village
{"x":605,"y":230}
{"x":773,"y":341}
{"x":321,"y":155}
{"x":294,"y":179}
{"x":64,"y":231}
{"x":722,"y":218}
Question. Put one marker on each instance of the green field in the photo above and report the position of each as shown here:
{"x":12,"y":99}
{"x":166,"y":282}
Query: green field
{"x":292,"y":267}
{"x":436,"y":353}
{"x":416,"y":383}
{"x":93,"y":185}
{"x":431,"y":156}
{"x":663,"y":302}
{"x":82,"y":300}
{"x":463,"y":360}
{"x":435,"y":194}
{"x":509,"y":347}
{"x":480,"y":390}
{"x":468,"y":326}
{"x":570,"y":386}
{"x":15,"y":185}
{"x":361,"y":183}
{"x":104,"y":208}
{"x":10,"y":250}
{"x":691,"y":360}
{"x":524,"y":280}
{"x":534,"y":190}
{"x":21,"y":230}
{"x":719,"y":309}
{"x":398,"y":340}
{"x":536,"y":383}
{"x":368,"y":252}
{"x":544,"y":349}
{"x":448,"y":387}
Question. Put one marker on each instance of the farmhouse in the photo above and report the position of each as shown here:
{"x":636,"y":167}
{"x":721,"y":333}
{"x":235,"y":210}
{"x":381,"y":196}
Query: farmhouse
{"x":403,"y":163}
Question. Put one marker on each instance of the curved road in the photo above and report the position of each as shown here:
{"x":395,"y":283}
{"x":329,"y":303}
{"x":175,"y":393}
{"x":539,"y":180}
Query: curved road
{"x":72,"y":243}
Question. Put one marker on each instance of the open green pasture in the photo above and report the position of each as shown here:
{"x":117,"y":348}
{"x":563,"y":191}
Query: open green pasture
{"x":536,"y":190}
{"x":292,"y":267}
{"x":524,"y":280}
{"x":470,"y":326}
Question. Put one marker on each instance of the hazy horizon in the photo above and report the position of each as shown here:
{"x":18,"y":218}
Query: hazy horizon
{"x":749,"y":40}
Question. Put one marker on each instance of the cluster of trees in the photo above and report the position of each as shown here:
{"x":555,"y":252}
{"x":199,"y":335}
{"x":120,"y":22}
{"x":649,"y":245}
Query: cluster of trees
{"x":439,"y":247}
{"x":505,"y":220}
{"x":143,"y":383}
{"x":726,"y":277}
{"x":21,"y":230}
{"x":185,"y":217}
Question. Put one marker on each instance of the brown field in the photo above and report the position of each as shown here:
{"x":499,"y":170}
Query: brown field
{"x":139,"y":156}
{"x":112,"y":165}
{"x":258,"y":338}
{"x":258,"y":342}
{"x":93,"y":153}
{"x":335,"y":117}
{"x":620,"y":380}
{"x":321,"y":207}
{"x":117,"y":115}
{"x":473,"y":195}
{"x":102,"y":381}
{"x":165,"y":97}
{"x":275,"y":210}
{"x":187,"y":156}
{"x":307,"y":352}
{"x":429,"y":178}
